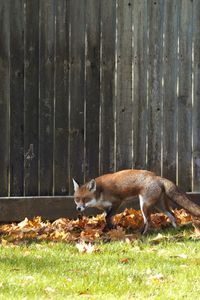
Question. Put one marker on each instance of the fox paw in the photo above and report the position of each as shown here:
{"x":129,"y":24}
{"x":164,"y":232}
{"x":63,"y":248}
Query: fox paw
{"x":109,"y":227}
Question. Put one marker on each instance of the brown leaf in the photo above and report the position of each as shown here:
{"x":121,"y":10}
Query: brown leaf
{"x":130,"y":218}
{"x":90,"y":234}
{"x":159,"y":238}
{"x":131,"y":237}
{"x":117,"y":234}
{"x":124,"y":260}
{"x":159,"y":219}
{"x":182,"y":216}
{"x":84,"y":294}
{"x":4,"y":242}
{"x":196,"y":225}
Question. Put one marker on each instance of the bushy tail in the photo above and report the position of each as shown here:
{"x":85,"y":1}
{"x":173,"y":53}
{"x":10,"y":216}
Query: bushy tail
{"x":173,"y":192}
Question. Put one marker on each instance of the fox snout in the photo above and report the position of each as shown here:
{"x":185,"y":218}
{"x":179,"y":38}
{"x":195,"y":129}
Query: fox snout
{"x":80,"y":208}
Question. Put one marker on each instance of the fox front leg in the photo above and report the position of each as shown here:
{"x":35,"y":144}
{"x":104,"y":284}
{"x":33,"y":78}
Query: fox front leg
{"x":109,"y":215}
{"x":109,"y":223}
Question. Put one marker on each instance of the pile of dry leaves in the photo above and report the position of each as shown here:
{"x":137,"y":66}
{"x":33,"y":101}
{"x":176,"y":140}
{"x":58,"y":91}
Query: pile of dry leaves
{"x":128,"y":224}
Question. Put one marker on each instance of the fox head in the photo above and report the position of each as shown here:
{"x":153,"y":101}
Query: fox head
{"x":84,"y":195}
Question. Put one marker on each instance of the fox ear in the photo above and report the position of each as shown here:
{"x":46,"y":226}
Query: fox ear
{"x":76,"y":185}
{"x":91,"y":185}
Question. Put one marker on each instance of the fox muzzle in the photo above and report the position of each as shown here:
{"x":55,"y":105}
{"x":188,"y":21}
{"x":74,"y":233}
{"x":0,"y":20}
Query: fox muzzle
{"x":80,"y":208}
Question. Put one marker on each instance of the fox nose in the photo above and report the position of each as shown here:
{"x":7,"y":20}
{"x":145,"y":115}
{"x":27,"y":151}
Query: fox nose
{"x":78,"y":208}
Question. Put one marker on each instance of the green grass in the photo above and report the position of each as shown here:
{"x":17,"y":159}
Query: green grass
{"x":143,"y":269}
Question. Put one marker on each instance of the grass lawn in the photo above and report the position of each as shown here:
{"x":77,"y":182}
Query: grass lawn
{"x":151,"y":267}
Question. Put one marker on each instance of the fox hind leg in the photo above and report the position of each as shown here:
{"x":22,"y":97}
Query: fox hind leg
{"x":146,"y":212}
{"x":146,"y":205}
{"x":164,"y":205}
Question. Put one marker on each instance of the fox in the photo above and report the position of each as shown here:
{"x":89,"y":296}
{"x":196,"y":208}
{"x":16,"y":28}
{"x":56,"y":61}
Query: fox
{"x":107,"y":192}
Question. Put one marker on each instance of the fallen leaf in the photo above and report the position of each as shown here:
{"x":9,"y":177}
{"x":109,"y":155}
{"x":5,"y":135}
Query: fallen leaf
{"x":155,"y":279}
{"x":117,"y":234}
{"x":148,"y":271}
{"x":129,"y":218}
{"x":131,"y":237}
{"x":130,"y":280}
{"x":84,"y":294}
{"x":85,"y":248}
{"x":182,"y":216}
{"x":49,"y":289}
{"x":29,"y":278}
{"x":124,"y":260}
{"x":4,"y":242}
{"x":90,"y":234}
{"x":159,"y":238}
{"x":26,"y":253}
{"x":68,"y":279}
{"x":182,"y":255}
{"x":159,"y":220}
{"x":196,"y":225}
{"x":23,"y":223}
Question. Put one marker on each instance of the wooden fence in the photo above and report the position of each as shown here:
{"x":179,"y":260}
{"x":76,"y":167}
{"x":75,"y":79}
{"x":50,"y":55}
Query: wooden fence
{"x":93,"y":86}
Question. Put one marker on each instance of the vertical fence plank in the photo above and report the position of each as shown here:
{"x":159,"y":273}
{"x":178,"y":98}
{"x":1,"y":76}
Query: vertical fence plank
{"x":17,"y":98}
{"x":155,"y":24}
{"x":170,"y":57}
{"x":77,"y":89}
{"x":46,"y":108}
{"x":108,"y":33}
{"x":124,"y":103}
{"x":92,"y":88}
{"x":139,"y":83}
{"x":196,"y":104}
{"x":185,"y":96}
{"x":61,"y":99}
{"x":31,"y":97}
{"x":4,"y":95}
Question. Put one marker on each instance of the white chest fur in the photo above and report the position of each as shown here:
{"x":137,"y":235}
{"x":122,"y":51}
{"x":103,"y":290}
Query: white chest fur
{"x":99,"y":203}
